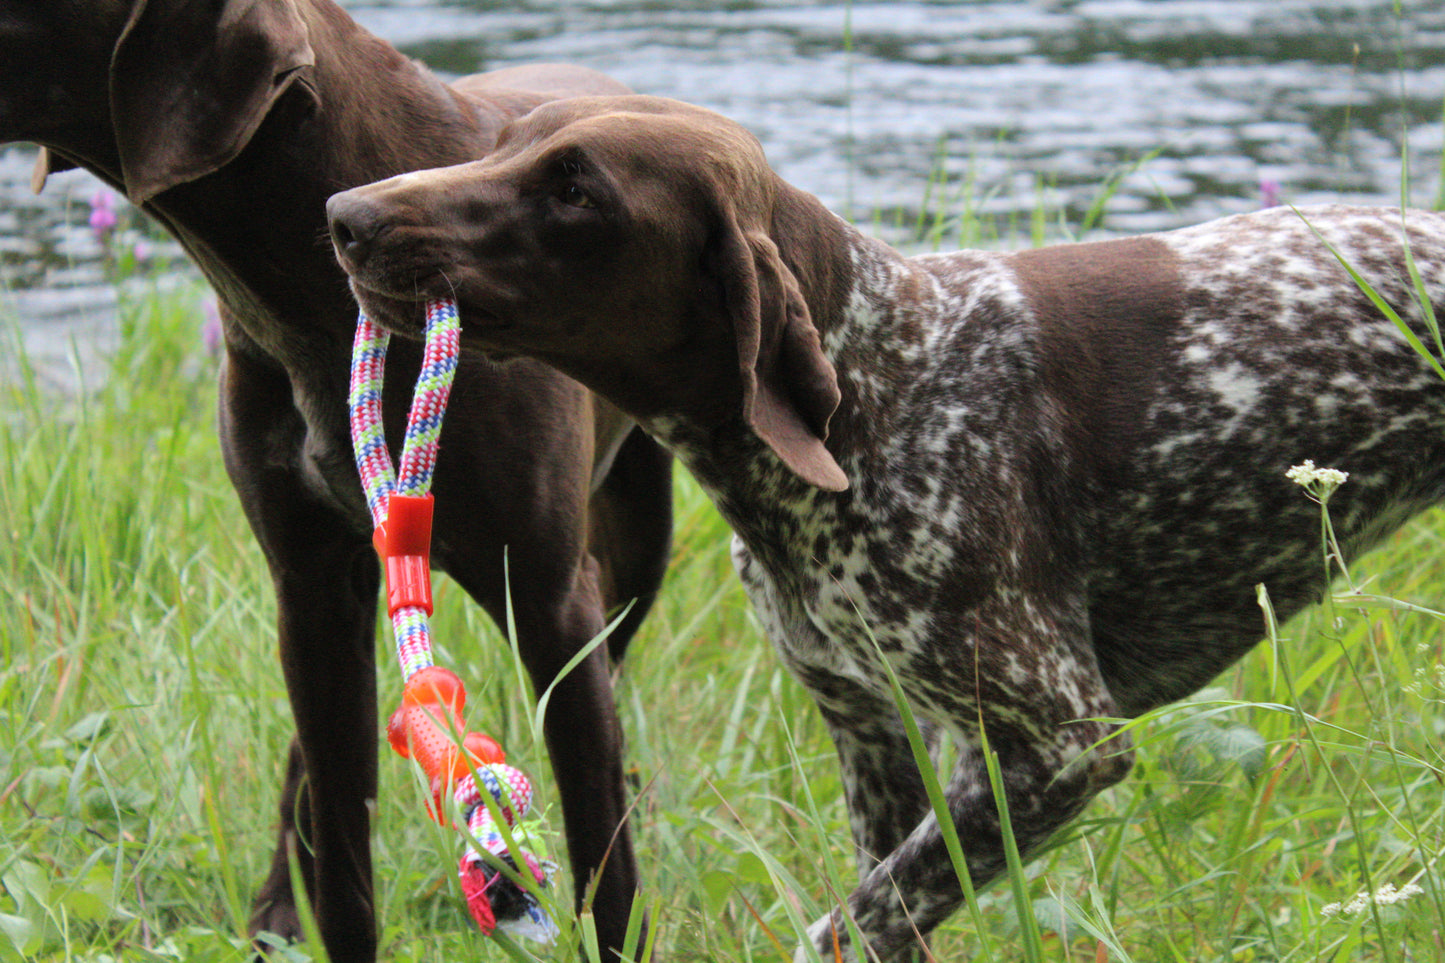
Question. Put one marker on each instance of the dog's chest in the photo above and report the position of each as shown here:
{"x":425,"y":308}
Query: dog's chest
{"x":327,"y":464}
{"x":826,"y":617}
{"x":837,"y":580}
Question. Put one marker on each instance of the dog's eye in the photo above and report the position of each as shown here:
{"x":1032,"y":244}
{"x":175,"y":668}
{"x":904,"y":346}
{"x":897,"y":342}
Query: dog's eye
{"x":574,"y":196}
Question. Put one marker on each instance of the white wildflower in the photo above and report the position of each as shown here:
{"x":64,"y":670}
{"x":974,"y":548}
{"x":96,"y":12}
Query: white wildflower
{"x":1383,"y":896}
{"x":1428,"y":682}
{"x":1308,"y":476}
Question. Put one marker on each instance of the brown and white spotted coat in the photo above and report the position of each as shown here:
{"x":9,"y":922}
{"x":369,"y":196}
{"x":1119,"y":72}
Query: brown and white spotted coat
{"x":1043,"y":485}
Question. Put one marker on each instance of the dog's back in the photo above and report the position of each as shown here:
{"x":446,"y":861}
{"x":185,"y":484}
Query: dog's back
{"x":1163,"y":386}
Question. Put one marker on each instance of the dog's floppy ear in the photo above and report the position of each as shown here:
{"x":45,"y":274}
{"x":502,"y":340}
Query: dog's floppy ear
{"x":191,"y":80}
{"x":790,"y":389}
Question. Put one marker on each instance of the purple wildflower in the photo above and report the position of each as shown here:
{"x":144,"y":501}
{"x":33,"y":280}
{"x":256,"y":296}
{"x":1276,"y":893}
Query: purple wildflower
{"x":211,"y":328}
{"x":1270,"y":193}
{"x":102,"y":215}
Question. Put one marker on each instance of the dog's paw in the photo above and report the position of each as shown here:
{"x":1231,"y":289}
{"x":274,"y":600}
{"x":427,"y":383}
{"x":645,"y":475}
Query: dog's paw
{"x":274,"y":924}
{"x":821,"y":935}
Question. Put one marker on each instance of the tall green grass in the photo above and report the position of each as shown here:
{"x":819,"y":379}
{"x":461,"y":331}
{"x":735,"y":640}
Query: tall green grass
{"x":143,"y":718}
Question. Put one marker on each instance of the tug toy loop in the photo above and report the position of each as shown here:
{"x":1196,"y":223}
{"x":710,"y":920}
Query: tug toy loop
{"x":428,"y":726}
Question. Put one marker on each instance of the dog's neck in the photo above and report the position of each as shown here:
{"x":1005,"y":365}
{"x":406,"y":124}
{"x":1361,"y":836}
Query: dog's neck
{"x":850,"y":283}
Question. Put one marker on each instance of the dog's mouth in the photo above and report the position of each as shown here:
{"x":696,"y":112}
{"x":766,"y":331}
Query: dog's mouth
{"x":420,"y":282}
{"x":404,"y":313}
{"x":400,"y":314}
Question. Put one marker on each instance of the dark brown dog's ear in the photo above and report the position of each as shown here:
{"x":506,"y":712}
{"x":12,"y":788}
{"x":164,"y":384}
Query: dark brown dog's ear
{"x":790,"y":389}
{"x":46,"y":164}
{"x":191,"y":81}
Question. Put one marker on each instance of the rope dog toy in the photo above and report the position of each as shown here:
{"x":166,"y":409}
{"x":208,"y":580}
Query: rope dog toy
{"x":428,"y":727}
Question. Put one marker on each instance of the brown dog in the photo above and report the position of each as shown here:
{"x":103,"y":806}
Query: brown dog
{"x":231,"y":122}
{"x":1042,"y":486}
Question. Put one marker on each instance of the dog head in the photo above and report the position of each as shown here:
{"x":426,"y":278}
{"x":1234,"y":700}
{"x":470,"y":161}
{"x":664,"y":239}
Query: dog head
{"x":164,"y":91}
{"x":632,"y":242}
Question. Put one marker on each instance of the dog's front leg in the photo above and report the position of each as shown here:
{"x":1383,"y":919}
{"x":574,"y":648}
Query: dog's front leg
{"x":882,"y":787}
{"x":326,"y":579}
{"x":916,"y":888}
{"x":328,"y":658}
{"x":557,"y":610}
{"x":881,"y":784}
{"x":584,"y":739}
{"x":1032,"y":682}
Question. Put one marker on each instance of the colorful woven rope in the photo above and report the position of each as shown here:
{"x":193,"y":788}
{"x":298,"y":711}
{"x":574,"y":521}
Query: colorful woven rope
{"x":428,"y":725}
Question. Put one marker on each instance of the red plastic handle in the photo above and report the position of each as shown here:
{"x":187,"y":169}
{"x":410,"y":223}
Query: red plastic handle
{"x":404,"y":543}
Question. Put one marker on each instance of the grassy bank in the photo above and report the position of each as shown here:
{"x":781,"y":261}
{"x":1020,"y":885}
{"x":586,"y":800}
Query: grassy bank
{"x":142,"y":721}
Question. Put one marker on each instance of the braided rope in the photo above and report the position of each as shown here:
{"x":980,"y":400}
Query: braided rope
{"x":492,"y":900}
{"x":419,"y":448}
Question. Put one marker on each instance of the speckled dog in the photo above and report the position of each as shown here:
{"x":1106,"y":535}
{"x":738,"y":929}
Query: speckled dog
{"x":1045,"y":484}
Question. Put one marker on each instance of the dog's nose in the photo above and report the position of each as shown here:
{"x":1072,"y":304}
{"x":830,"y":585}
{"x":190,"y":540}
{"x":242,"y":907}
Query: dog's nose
{"x":355,"y":224}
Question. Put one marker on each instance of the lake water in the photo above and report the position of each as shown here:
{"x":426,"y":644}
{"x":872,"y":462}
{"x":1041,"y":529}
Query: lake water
{"x":982,"y":113}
